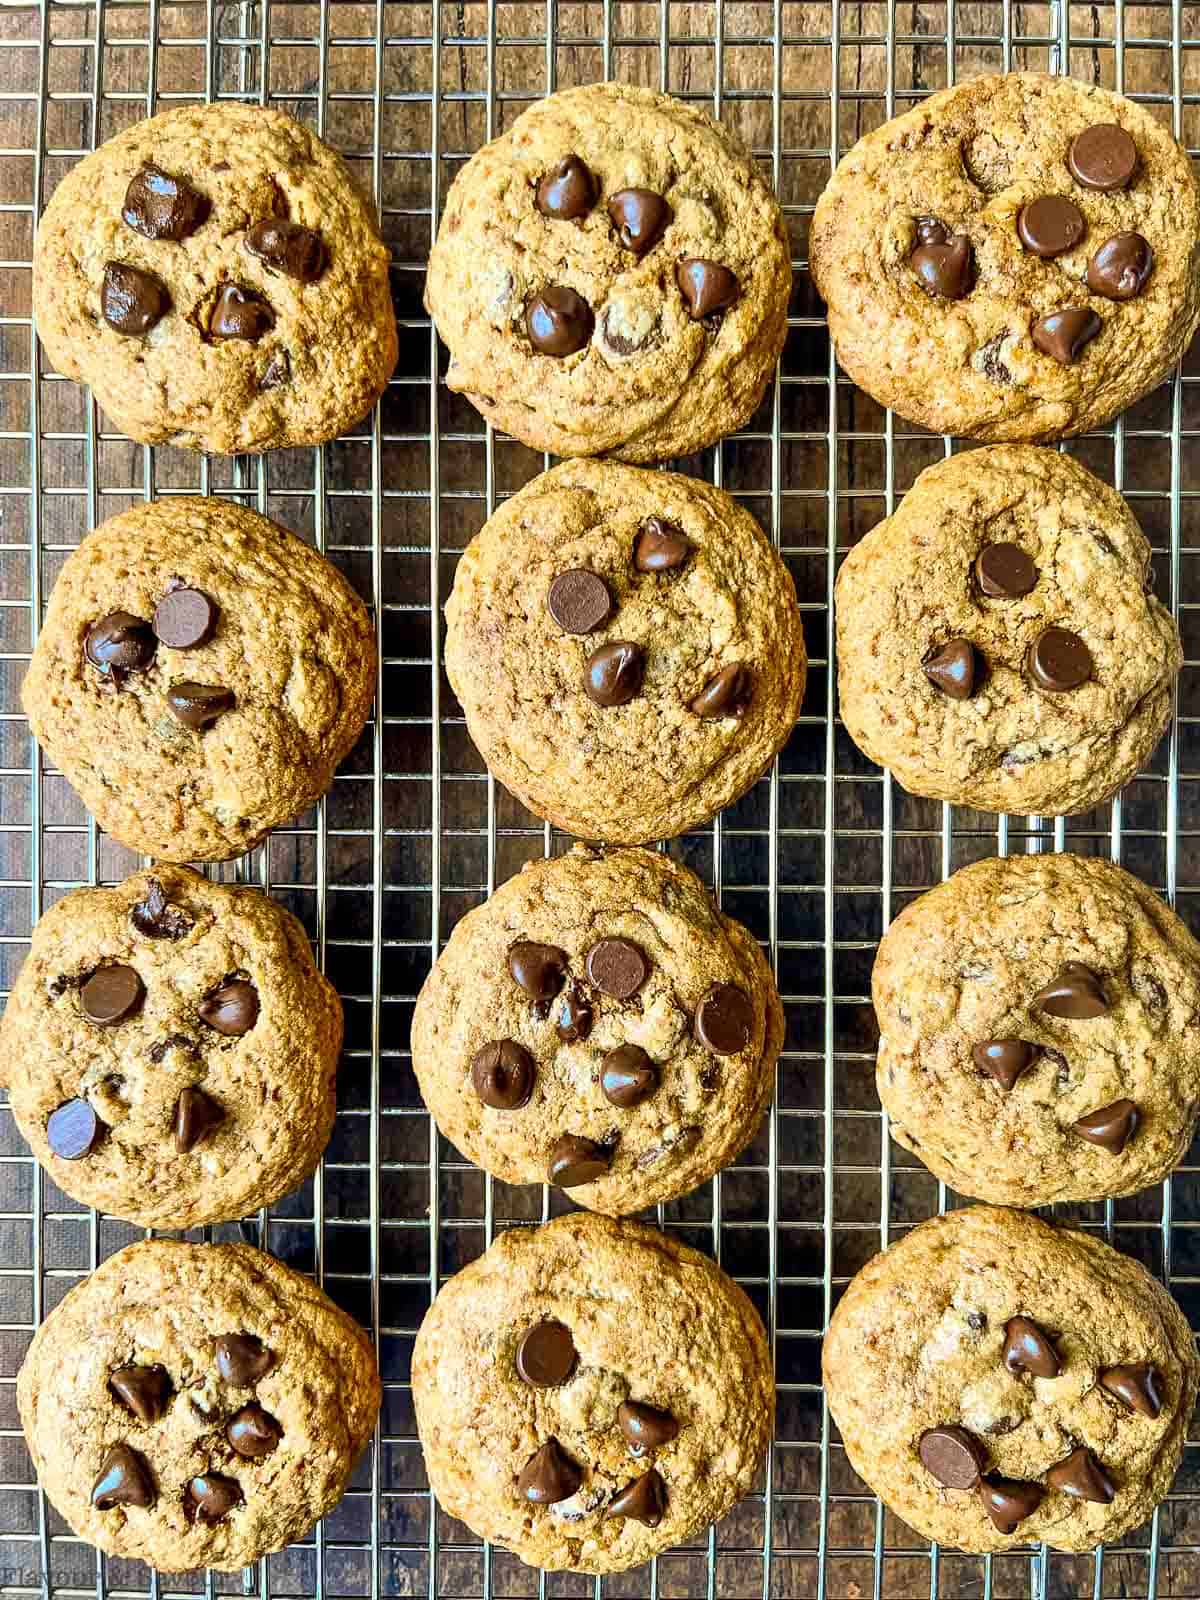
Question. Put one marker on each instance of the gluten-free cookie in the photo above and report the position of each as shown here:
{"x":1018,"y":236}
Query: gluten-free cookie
{"x":1017,"y":257}
{"x":170,"y":1051}
{"x":998,"y":1382}
{"x":998,"y":641}
{"x":591,"y":1392}
{"x":598,"y":1024}
{"x":196,"y":1405}
{"x":612,"y":276}
{"x":627,"y":648}
{"x":1039,"y":1032}
{"x":199,"y":675}
{"x":218,"y":280}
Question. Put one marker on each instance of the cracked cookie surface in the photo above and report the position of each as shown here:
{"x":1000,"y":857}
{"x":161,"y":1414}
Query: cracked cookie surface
{"x":194,"y":750}
{"x":993,"y":955}
{"x":968,"y":358}
{"x":211,"y":1398}
{"x":643,"y":1029}
{"x":648,"y":1323}
{"x":186,"y":335}
{"x":670,"y":566}
{"x":1027,"y":737}
{"x":923,"y":1342}
{"x":645,"y":349}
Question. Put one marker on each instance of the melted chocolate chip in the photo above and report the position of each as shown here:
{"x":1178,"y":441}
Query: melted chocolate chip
{"x":198,"y":705}
{"x":160,"y":206}
{"x":1004,"y":572}
{"x":617,"y":967}
{"x":119,"y":643}
{"x":573,"y":1016}
{"x":1063,"y":334}
{"x":546,"y":1355}
{"x":1050,"y":225}
{"x":240,"y":313}
{"x":277,"y":373}
{"x":579,"y":601}
{"x":645,"y":1500}
{"x":132,"y":301}
{"x":154,"y":917}
{"x":185,"y":618}
{"x":1027,"y":1348}
{"x":559,"y":321}
{"x":231,"y":1008}
{"x":1008,"y":1501}
{"x":210,"y":1496}
{"x":628,"y":1076}
{"x":646,"y":1428}
{"x":196,"y":1114}
{"x":295,"y":251}
{"x":1059,"y":660}
{"x":253,"y":1432}
{"x":952,"y":1456}
{"x":1082,"y":1477}
{"x":660,"y":546}
{"x":726,"y":694}
{"x":1003,"y":1059}
{"x":944,"y":267}
{"x":539,"y":969}
{"x":1103,"y":157}
{"x":568,"y":191}
{"x":1111,"y":1127}
{"x":953,"y":669}
{"x":706,"y":286}
{"x":614,"y":673}
{"x":242,"y":1359}
{"x":144,"y":1390}
{"x":724,"y":1021}
{"x":124,"y":1480}
{"x":549,"y":1476}
{"x":575,"y":1161}
{"x":502,"y":1075}
{"x":1076,"y":994}
{"x":1121,"y":268}
{"x":640,"y":217}
{"x":110,"y":995}
{"x":1138,"y":1386}
{"x":73,"y":1130}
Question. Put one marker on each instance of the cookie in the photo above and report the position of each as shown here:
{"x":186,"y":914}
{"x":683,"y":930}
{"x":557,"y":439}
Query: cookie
{"x":1017,"y":257}
{"x":218,"y":280}
{"x":599,"y":1025}
{"x":196,"y":1405}
{"x":612,"y":276}
{"x":170,"y":1051}
{"x":199,"y":675}
{"x":627,"y":648}
{"x":1038,"y":1029}
{"x":998,"y":643}
{"x":998,"y":1382}
{"x":591,"y":1392}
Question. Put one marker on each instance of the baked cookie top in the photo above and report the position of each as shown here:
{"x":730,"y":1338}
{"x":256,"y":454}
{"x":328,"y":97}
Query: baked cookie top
{"x":997,"y":1381}
{"x":199,"y":675}
{"x":599,"y":1025}
{"x":218,"y":280}
{"x":612,"y":275}
{"x":170,"y":1050}
{"x":998,"y":644}
{"x":1017,"y":257}
{"x":627,"y":648}
{"x":196,"y":1405}
{"x":1038,"y":1026}
{"x":591,"y":1392}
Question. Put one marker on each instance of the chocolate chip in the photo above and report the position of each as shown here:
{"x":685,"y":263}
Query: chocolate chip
{"x":132,"y":301}
{"x":1050,"y":225}
{"x":253,"y":1432}
{"x":567,"y":191}
{"x":1121,"y":268}
{"x":124,"y":1480}
{"x":628,"y":1076}
{"x":930,"y":230}
{"x":575,"y":1161}
{"x":724,"y":1020}
{"x":110,"y":995}
{"x":579,"y":601}
{"x":645,"y":1427}
{"x":144,"y":1390}
{"x":185,"y":618}
{"x":706,"y":287}
{"x":1027,"y":1348}
{"x":196,"y":1114}
{"x":1138,"y":1386}
{"x":546,"y":1355}
{"x":1063,"y":334}
{"x":73,"y":1130}
{"x":640,"y":217}
{"x":1059,"y":660}
{"x":240,"y":313}
{"x":944,"y":267}
{"x":120,"y":642}
{"x":211,"y":1497}
{"x":1003,"y":1059}
{"x":1076,"y":994}
{"x":539,"y":969}
{"x":645,"y":1500}
{"x":953,"y":668}
{"x":1004,"y":572}
{"x":573,"y":1018}
{"x":952,"y":1456}
{"x":154,"y":917}
{"x":1081,"y":1476}
{"x":502,"y":1075}
{"x":278,"y":371}
{"x":617,"y":967}
{"x":242,"y":1359}
{"x":231,"y":1008}
{"x":160,"y":206}
{"x":549,"y":1476}
{"x":1103,"y":157}
{"x":660,"y":546}
{"x":198,"y":705}
{"x":614,"y":673}
{"x":1111,"y":1127}
{"x":1008,"y":1501}
{"x":558,"y":321}
{"x":726,"y":694}
{"x":295,"y":251}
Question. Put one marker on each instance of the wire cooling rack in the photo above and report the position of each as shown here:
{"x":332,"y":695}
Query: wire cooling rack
{"x":816,"y":859}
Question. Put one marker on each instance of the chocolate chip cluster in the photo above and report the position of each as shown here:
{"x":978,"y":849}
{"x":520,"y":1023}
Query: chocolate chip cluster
{"x":120,"y":643}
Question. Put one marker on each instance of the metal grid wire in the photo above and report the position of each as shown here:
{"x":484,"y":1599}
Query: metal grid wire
{"x":816,"y":859}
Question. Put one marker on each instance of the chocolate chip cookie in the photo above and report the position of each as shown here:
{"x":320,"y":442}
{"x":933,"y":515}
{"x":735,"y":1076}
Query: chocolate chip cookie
{"x":599,"y":1025}
{"x":627,"y":648}
{"x":170,"y":1051}
{"x":1039,"y":1022}
{"x":218,"y":280}
{"x":199,"y":676}
{"x":196,"y":1405}
{"x":1017,"y":257}
{"x":612,"y":275}
{"x":998,"y":1382}
{"x":998,"y":643}
{"x":591,"y":1392}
